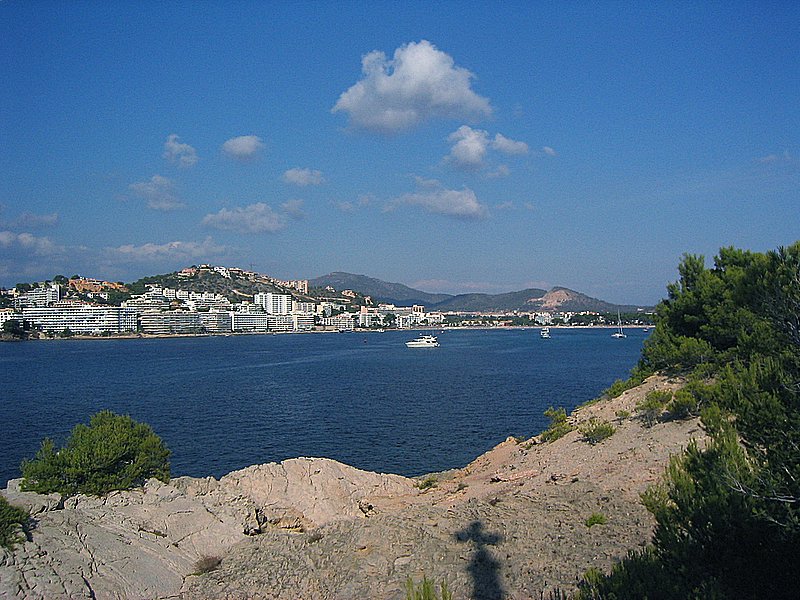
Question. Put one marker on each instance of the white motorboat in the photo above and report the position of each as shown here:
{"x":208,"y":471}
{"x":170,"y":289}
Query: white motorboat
{"x":545,"y":333}
{"x":423,"y":341}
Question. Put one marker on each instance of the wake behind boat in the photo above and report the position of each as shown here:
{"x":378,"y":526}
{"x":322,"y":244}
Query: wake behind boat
{"x":423,"y":341}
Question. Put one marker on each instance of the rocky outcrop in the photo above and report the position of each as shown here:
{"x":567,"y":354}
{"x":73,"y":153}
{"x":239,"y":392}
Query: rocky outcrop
{"x":512,"y":524}
{"x":143,"y":543}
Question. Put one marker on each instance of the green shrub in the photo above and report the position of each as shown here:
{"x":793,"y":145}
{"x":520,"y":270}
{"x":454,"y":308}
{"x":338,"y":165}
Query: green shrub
{"x":427,"y":483}
{"x":113,"y":452}
{"x":653,"y":405}
{"x":622,"y":414}
{"x":596,"y":519}
{"x":620,"y":386}
{"x":426,"y":590}
{"x":683,"y":405}
{"x":12,"y":519}
{"x":595,"y":430}
{"x":559,"y":426}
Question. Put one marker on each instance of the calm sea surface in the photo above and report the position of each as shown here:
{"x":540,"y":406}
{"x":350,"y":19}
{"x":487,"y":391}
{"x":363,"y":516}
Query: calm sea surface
{"x":223,"y":403}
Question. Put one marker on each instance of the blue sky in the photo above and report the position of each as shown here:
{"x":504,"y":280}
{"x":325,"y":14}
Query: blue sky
{"x":451,"y":146}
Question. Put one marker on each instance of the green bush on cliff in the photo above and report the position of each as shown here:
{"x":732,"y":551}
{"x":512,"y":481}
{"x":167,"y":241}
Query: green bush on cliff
{"x":727,"y":515}
{"x":559,"y":425}
{"x":596,"y":430}
{"x":113,"y":452}
{"x":12,"y":520}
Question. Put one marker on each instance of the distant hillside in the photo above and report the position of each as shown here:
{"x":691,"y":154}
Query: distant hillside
{"x":557,"y":299}
{"x":492,"y":302}
{"x":380,"y":291}
{"x":236,"y":288}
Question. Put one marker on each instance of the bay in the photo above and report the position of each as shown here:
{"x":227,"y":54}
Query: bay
{"x":223,"y":403}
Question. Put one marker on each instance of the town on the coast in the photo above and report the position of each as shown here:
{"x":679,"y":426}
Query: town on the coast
{"x":208,"y":300}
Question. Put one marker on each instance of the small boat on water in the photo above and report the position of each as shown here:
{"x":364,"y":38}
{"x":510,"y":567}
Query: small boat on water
{"x":423,"y":341}
{"x":619,"y":333}
{"x":545,"y":333}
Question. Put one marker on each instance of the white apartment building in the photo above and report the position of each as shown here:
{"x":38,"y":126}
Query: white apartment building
{"x":217,"y":321}
{"x":303,"y":321}
{"x":9,"y":314}
{"x":167,"y":322}
{"x":250,"y":321}
{"x":303,"y":307}
{"x":274,"y":304}
{"x":47,"y":295}
{"x":284,"y":323}
{"x":81,"y":318}
{"x":343,"y":322}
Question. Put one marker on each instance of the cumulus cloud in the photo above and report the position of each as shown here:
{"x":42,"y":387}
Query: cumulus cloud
{"x":12,"y":242}
{"x":508,"y":146}
{"x":461,"y":204}
{"x":159,"y":193}
{"x":177,"y":250}
{"x":420,"y":83}
{"x":244,"y":147}
{"x":470,"y":147}
{"x":303,"y":177}
{"x":548,"y":150}
{"x":179,"y":153}
{"x":255,"y":218}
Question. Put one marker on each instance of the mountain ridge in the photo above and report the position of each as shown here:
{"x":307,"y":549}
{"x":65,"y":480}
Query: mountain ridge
{"x":528,"y":300}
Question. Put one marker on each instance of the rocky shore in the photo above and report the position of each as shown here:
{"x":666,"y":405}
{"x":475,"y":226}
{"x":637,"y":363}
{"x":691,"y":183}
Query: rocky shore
{"x":512,"y":524}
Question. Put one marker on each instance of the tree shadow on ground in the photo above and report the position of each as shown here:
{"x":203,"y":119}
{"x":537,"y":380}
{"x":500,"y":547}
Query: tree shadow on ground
{"x":483,"y":568}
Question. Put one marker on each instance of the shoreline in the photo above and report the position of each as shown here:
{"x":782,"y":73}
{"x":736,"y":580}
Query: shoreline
{"x":155,"y":336}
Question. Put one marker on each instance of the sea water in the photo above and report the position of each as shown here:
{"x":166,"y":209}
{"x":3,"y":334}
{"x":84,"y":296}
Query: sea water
{"x":223,"y":403}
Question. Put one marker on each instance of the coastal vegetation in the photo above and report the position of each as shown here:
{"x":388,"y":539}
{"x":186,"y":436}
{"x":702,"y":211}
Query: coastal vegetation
{"x":113,"y":452}
{"x":595,"y":430}
{"x":13,"y":523}
{"x":596,"y":519}
{"x":426,"y":590}
{"x":727,"y":514}
{"x":559,"y":425}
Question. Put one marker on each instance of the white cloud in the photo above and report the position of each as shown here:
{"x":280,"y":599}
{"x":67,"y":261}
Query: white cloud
{"x":348,"y":206}
{"x":500,"y":171}
{"x":294,"y":209}
{"x":178,"y":153}
{"x":508,"y":146}
{"x":158,"y":192}
{"x":420,"y":83}
{"x":171,"y":250}
{"x":27,"y":243}
{"x":244,"y":147}
{"x":548,"y":150}
{"x":470,"y":147}
{"x":461,"y":204}
{"x":255,"y":218}
{"x":303,"y":177}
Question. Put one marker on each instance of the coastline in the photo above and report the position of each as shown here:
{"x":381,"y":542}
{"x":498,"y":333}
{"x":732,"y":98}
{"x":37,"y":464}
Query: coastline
{"x":148,"y":336}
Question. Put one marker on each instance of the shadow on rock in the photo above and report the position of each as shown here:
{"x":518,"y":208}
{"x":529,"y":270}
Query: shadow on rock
{"x":483,"y":568}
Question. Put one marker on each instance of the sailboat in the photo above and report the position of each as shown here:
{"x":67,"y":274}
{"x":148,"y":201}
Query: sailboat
{"x":619,"y":333}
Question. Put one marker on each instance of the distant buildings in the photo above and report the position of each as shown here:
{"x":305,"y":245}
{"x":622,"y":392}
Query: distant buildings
{"x":80,"y":318}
